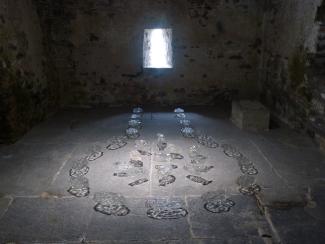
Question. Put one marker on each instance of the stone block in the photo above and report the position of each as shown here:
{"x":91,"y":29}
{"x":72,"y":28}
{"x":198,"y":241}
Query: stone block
{"x":250,"y":115}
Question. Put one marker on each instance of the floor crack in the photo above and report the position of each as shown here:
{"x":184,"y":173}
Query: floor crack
{"x":11,"y":199}
{"x":270,"y":163}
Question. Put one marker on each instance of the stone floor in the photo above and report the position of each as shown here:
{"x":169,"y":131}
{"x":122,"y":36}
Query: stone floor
{"x":35,"y":206}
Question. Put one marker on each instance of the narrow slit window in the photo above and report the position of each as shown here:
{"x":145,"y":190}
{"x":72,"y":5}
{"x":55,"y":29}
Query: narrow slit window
{"x":157,"y":48}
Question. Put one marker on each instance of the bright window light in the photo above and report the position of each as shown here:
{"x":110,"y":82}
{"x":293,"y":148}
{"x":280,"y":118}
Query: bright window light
{"x":157,"y":48}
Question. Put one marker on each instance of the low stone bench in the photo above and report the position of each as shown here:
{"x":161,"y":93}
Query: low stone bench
{"x":250,"y":115}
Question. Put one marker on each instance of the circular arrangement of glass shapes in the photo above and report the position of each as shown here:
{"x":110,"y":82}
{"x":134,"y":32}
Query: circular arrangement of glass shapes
{"x":114,"y":204}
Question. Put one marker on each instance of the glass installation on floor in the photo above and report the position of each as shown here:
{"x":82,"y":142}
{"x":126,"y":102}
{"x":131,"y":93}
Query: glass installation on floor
{"x":156,"y":163}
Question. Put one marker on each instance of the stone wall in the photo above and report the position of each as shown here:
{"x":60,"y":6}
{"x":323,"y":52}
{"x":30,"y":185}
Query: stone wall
{"x":25,"y":90}
{"x":290,"y":44}
{"x":89,"y":52}
{"x":97,"y":48}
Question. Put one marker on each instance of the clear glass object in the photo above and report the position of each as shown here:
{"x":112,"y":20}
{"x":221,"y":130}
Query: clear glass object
{"x":231,"y":151}
{"x":246,"y":166}
{"x":164,"y":170}
{"x":195,"y":154}
{"x":95,"y":152}
{"x":110,"y":204}
{"x":137,"y":110}
{"x":248,"y":169}
{"x":116,"y":210}
{"x":166,"y":180}
{"x":132,"y":133}
{"x":79,"y":168}
{"x":133,"y":123}
{"x":188,"y":132}
{"x":161,"y":142}
{"x":178,"y":110}
{"x":207,"y":141}
{"x":129,"y":169}
{"x":174,"y":156}
{"x":135,"y":116}
{"x":108,"y":198}
{"x":180,"y":116}
{"x":162,"y":155}
{"x":138,"y":182}
{"x":217,"y":202}
{"x":247,"y":185}
{"x":197,"y":164}
{"x":199,"y":180}
{"x":141,"y":144}
{"x":185,"y":122}
{"x":116,"y":143}
{"x":79,"y":186}
{"x":165,"y":209}
{"x":197,"y":168}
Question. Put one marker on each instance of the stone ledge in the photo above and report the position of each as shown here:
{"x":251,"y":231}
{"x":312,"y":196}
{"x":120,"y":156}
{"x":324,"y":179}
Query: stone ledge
{"x":285,"y":198}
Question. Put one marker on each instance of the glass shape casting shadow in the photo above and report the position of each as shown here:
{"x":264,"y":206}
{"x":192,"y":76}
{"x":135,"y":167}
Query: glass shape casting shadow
{"x":231,"y":151}
{"x":95,"y":153}
{"x":247,"y":185}
{"x":207,"y":141}
{"x":143,"y":147}
{"x":133,"y":123}
{"x":165,"y":209}
{"x":178,"y":110}
{"x":116,"y":143}
{"x":79,"y":186}
{"x":137,"y":110}
{"x":132,"y":133}
{"x":161,"y":155}
{"x":199,"y":180}
{"x":138,"y":182}
{"x":79,"y":168}
{"x":110,"y":204}
{"x":188,"y":132}
{"x":217,"y":202}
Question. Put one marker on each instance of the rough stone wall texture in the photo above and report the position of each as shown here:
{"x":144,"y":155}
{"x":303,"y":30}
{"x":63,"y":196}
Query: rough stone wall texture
{"x":97,"y":47}
{"x":24,"y":88}
{"x":289,"y":39}
{"x":89,"y":52}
